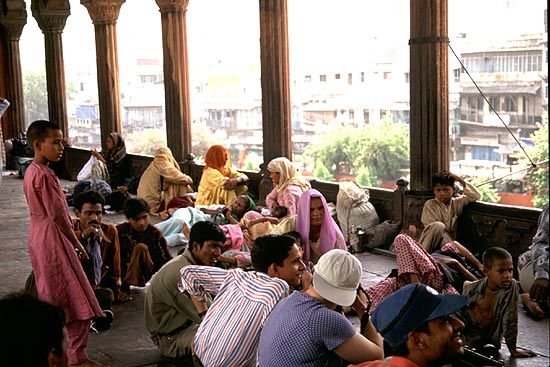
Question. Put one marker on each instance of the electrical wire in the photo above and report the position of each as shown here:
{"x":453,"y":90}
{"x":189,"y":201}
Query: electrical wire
{"x":491,"y":106}
{"x":535,"y":165}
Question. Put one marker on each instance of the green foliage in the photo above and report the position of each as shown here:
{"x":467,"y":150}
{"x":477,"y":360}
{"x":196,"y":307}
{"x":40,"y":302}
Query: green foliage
{"x":489,"y":194}
{"x":35,"y":95}
{"x":321,"y":172}
{"x":202,"y":138}
{"x":383,"y":147}
{"x":537,"y":177}
{"x":146,"y":142}
{"x":364,"y":177}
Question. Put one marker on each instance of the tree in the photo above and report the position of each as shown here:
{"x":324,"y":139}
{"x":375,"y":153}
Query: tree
{"x":489,"y":194}
{"x":146,"y":142}
{"x":537,"y":177}
{"x":36,"y":95}
{"x":322,"y":172}
{"x":202,"y":137}
{"x":382,"y":148}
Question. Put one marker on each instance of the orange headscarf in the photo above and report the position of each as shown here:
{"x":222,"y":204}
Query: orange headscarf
{"x":216,"y":158}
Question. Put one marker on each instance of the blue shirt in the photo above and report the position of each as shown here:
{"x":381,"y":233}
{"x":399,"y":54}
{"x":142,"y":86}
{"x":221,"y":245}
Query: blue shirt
{"x":301,"y":331}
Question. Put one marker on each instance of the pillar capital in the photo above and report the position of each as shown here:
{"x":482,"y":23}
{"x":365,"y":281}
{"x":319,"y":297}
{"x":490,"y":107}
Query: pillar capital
{"x":50,"y":20}
{"x":103,"y":11}
{"x":172,"y":5}
{"x":13,"y":21}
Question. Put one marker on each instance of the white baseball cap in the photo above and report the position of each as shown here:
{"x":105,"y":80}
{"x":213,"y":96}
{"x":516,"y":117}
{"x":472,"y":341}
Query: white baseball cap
{"x":337,"y":276}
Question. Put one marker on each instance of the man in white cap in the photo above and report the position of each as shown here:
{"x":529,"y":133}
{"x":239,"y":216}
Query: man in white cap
{"x":418,"y":327}
{"x":304,"y":330}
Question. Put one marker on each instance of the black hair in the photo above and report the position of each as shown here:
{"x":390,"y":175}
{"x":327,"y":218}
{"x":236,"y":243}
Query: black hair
{"x":135,"y":206}
{"x":205,"y":231}
{"x":270,"y":249}
{"x":87,"y":197}
{"x":295,"y":234}
{"x":39,"y":130}
{"x":442,"y":179}
{"x":402,"y":349}
{"x":32,"y":328}
{"x":280,"y":211}
{"x":494,"y":253}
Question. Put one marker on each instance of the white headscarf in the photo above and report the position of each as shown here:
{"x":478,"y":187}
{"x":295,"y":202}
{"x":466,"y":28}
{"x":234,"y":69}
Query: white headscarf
{"x":289,"y":174}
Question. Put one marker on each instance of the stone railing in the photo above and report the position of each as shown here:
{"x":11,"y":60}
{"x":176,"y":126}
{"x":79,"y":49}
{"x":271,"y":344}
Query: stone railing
{"x":481,"y":225}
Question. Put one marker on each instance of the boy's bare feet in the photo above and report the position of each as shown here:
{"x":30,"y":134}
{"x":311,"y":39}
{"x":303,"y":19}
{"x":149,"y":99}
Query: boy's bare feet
{"x":90,"y":363}
{"x":532,"y":306}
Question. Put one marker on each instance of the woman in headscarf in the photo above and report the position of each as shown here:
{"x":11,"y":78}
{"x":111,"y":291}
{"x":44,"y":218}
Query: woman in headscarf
{"x":289,"y":186}
{"x":116,"y":161}
{"x":319,"y":231}
{"x":162,"y":181}
{"x":220,"y":183}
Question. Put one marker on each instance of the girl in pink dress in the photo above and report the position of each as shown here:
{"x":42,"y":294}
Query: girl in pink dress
{"x":52,"y":242}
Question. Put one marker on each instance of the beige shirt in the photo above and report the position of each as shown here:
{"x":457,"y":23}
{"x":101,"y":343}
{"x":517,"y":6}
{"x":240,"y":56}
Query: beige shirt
{"x":436,"y":211}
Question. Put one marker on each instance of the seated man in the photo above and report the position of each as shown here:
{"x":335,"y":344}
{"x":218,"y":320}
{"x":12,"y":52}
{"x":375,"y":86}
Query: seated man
{"x":35,"y":333}
{"x":533,"y":270}
{"x":143,"y":249}
{"x":101,"y":243}
{"x":440,"y":215}
{"x":304,"y":330}
{"x":170,"y":315}
{"x":230,"y":330}
{"x":417,"y":325}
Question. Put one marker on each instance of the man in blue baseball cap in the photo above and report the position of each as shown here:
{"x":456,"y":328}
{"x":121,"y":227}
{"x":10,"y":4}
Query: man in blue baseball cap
{"x":418,"y":327}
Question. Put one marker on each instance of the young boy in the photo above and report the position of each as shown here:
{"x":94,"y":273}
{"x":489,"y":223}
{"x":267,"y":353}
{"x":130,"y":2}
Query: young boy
{"x":492,"y":308}
{"x":52,"y":242}
{"x":143,"y":249}
{"x":440,"y":215}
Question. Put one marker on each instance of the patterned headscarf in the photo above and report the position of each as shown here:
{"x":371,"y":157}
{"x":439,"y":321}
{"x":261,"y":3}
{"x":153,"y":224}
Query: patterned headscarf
{"x":119,"y":149}
{"x":331,"y":236}
{"x":289,"y":174}
{"x":216,"y":158}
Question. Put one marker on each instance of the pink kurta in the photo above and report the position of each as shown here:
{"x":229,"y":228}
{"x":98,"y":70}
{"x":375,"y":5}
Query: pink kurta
{"x":411,"y":258}
{"x":288,"y":198}
{"x":57,"y":269}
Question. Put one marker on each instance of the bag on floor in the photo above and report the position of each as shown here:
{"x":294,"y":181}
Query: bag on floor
{"x":93,"y":170}
{"x":355,"y":212}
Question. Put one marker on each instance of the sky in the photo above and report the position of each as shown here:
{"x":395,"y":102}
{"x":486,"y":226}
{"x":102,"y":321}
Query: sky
{"x":223,"y":32}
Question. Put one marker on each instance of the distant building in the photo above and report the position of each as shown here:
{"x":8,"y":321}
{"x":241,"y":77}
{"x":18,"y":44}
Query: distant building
{"x":511,"y":76}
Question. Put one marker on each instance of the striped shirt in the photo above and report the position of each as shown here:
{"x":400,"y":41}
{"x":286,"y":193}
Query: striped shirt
{"x":230,"y":332}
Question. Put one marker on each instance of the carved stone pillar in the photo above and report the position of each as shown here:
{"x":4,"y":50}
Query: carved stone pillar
{"x":12,"y":22}
{"x":104,"y":14}
{"x":176,"y":76}
{"x":429,"y":91}
{"x":275,"y":82}
{"x":51,"y":18}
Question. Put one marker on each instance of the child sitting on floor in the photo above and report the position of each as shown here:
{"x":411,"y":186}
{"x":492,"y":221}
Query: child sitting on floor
{"x":492,"y":308}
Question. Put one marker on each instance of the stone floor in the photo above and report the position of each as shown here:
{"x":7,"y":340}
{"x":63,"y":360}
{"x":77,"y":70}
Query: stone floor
{"x":127,"y":343}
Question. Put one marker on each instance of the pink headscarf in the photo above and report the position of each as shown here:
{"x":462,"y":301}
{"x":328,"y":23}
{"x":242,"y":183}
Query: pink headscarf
{"x":331,"y":236}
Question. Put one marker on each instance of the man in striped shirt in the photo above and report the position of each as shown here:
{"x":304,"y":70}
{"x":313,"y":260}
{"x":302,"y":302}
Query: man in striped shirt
{"x":230,"y":331}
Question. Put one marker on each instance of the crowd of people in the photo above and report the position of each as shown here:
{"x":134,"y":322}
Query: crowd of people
{"x":248,"y":285}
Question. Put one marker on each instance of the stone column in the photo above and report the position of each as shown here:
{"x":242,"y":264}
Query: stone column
{"x":176,"y":76}
{"x":51,"y":18}
{"x":12,"y":22}
{"x":276,"y":105}
{"x":104,"y":14}
{"x":429,"y":92}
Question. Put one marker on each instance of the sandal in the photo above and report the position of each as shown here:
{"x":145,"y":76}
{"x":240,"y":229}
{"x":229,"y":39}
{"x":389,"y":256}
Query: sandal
{"x":122,"y":297}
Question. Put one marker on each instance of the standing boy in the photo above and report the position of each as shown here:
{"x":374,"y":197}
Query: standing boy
{"x":492,"y":308}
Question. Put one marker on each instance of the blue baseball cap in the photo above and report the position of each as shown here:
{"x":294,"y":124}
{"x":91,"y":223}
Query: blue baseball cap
{"x":410,"y":307}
